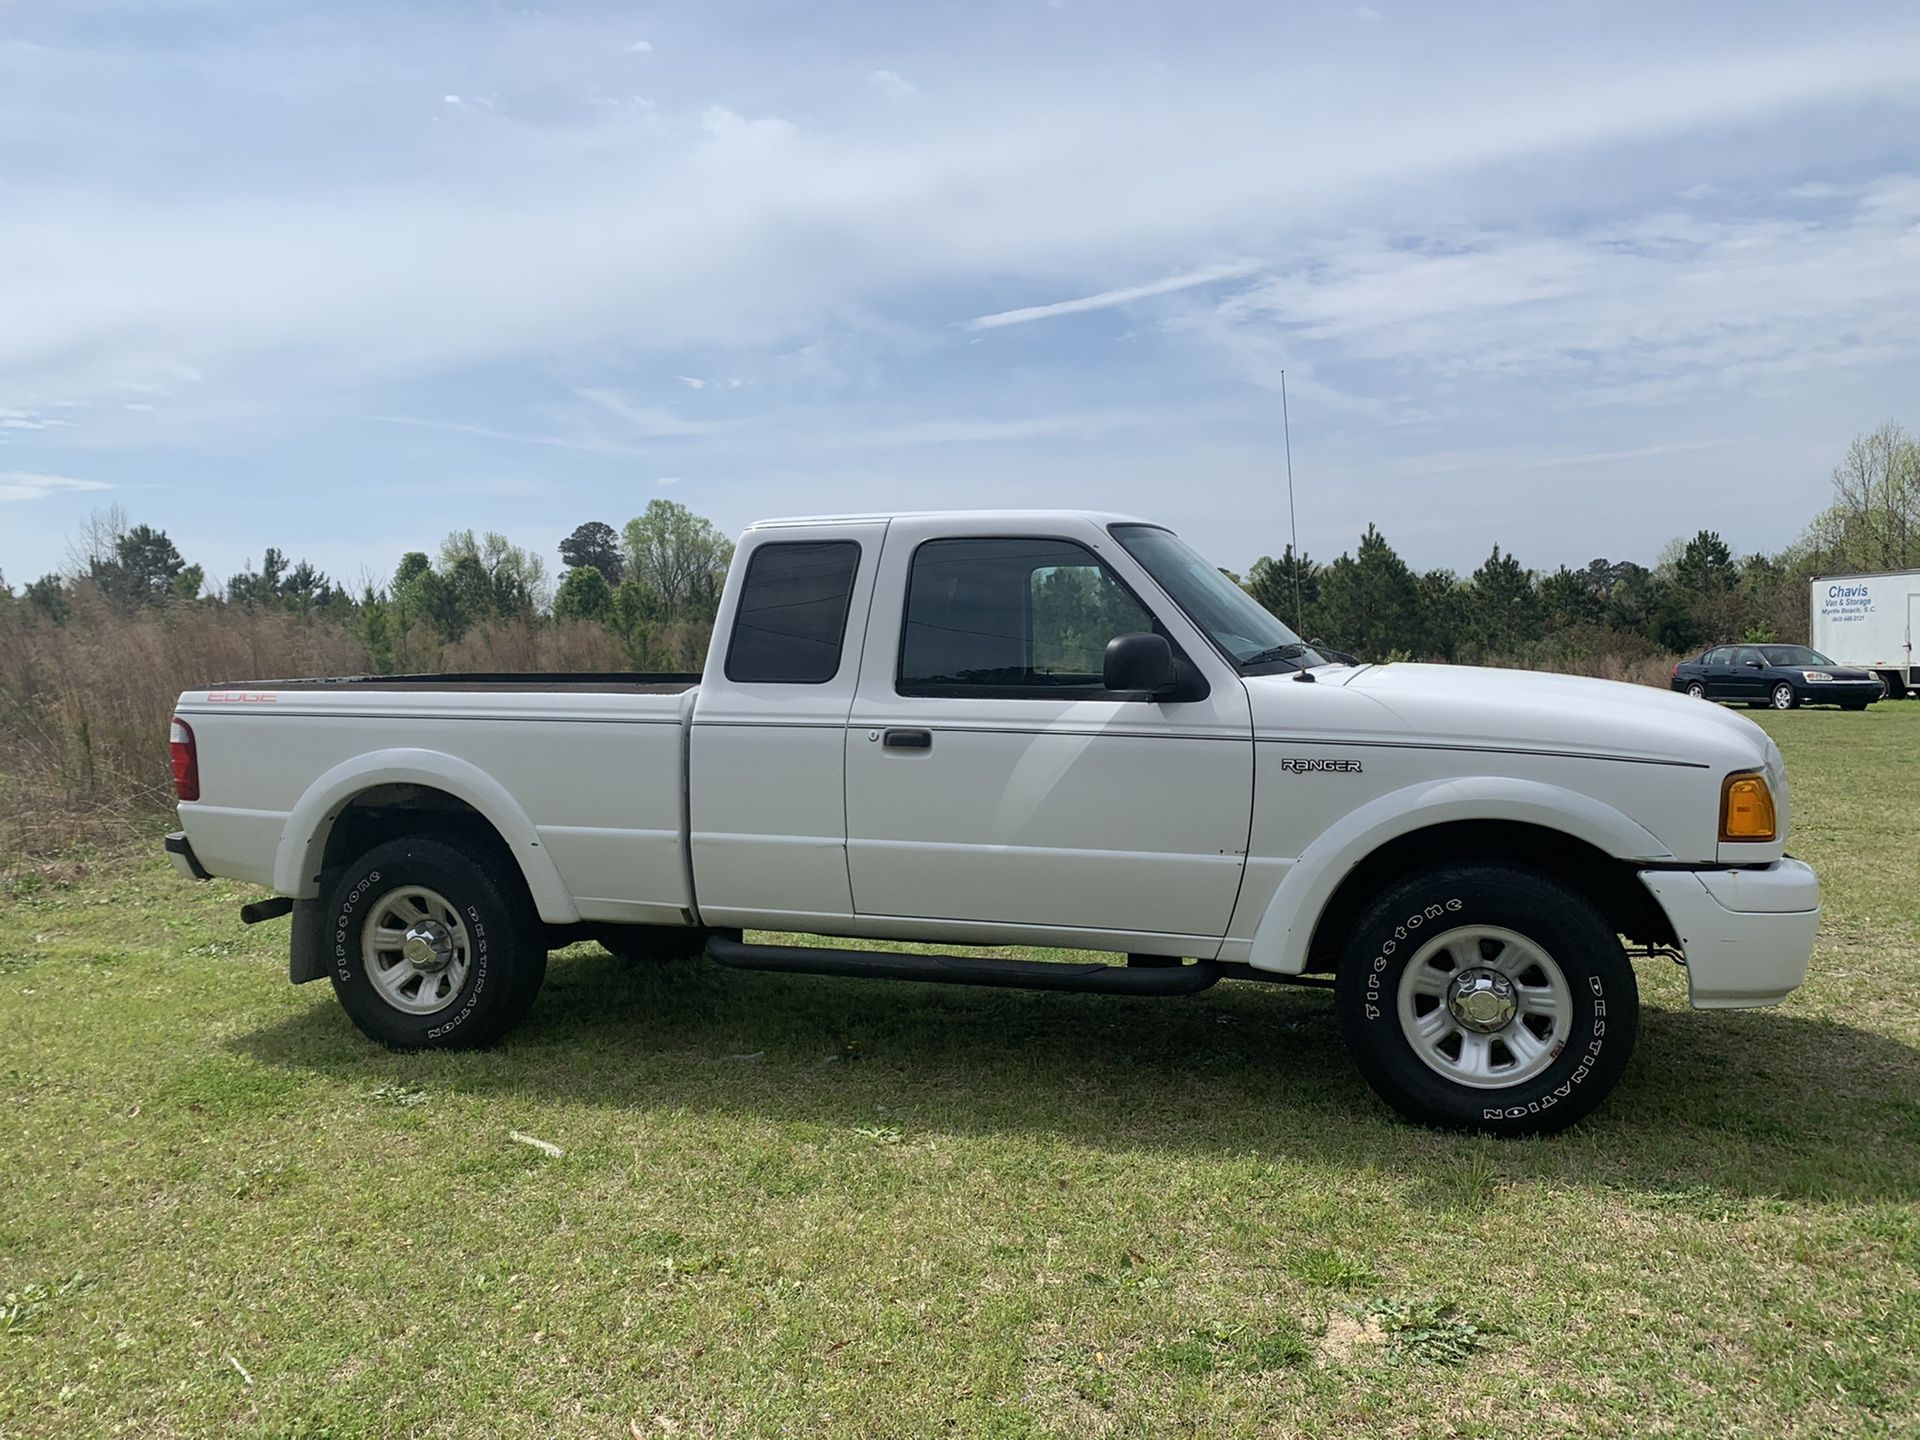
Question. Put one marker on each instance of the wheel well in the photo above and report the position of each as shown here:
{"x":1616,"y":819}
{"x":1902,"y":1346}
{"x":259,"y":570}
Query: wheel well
{"x":1612,"y":885}
{"x":387,"y":811}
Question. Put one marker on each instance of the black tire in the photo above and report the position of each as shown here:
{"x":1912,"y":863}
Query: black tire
{"x":1854,"y":704}
{"x":1792,"y":696}
{"x":1588,"y":1057}
{"x":652,"y":943}
{"x":1696,"y":690}
{"x":505,"y":962}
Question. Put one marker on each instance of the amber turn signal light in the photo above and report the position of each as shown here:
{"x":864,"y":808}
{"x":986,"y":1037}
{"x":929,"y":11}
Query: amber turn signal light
{"x":1746,"y":808}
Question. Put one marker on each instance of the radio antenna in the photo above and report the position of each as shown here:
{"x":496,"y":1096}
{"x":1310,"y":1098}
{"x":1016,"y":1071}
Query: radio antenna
{"x":1293,"y":520}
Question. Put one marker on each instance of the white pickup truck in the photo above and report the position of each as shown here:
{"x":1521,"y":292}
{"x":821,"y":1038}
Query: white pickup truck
{"x":1025,"y":728}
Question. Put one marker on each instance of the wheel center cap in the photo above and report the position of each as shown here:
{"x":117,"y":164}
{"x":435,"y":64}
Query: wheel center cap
{"x":1482,"y":1000}
{"x":428,"y":946}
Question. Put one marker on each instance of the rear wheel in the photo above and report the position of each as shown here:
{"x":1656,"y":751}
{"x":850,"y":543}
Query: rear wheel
{"x":432,"y":948}
{"x":1696,"y":690}
{"x":1489,"y":998}
{"x":1784,"y":696}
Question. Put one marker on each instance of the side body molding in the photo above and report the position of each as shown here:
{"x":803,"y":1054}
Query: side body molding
{"x":296,"y":864}
{"x":1286,"y":929}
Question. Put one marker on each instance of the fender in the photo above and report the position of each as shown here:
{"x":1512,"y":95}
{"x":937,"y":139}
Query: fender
{"x":296,"y":864}
{"x":1286,"y":928}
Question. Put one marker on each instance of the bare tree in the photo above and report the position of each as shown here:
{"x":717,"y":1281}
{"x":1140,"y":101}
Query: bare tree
{"x":1874,"y":521}
{"x":95,"y":549}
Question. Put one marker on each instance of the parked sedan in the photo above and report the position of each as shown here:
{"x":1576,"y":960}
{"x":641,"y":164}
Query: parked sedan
{"x":1783,"y":676}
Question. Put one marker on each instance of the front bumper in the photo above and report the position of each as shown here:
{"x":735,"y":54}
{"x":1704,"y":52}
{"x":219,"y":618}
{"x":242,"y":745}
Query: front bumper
{"x":1747,"y":934}
{"x":1817,"y":690}
{"x":180,"y":852}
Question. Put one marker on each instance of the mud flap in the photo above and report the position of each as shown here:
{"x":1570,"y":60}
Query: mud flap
{"x":308,"y":959}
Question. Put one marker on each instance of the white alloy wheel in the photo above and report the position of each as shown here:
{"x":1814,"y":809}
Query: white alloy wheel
{"x":1485,"y":1007}
{"x":1783,"y":696}
{"x":416,"y":950}
{"x":1697,"y":690}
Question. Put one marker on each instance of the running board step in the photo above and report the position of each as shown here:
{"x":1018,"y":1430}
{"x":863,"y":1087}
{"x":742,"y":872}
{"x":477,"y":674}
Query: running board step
{"x":967,"y":970}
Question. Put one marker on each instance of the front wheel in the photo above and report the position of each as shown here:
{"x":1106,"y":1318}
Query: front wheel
{"x":1784,"y":697}
{"x":430,"y":948}
{"x":1487,"y":997}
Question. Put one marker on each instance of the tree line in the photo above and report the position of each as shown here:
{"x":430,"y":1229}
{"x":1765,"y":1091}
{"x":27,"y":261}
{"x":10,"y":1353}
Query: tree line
{"x":1697,"y":592}
{"x":655,"y":584}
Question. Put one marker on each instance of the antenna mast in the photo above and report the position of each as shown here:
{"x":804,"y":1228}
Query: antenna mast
{"x":1293,"y":521}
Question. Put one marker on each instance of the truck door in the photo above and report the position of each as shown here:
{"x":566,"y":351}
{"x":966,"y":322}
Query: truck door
{"x":994,"y":784}
{"x":766,"y":784}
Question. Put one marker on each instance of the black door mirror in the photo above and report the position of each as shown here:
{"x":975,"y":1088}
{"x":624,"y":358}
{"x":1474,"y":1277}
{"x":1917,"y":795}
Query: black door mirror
{"x":1756,"y":664}
{"x":1138,"y":662}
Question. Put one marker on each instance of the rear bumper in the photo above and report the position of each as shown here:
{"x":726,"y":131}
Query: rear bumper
{"x":180,"y":852}
{"x":1747,"y":934}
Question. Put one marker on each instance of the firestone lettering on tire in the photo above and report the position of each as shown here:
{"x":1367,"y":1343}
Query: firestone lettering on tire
{"x":1378,"y":968}
{"x":343,"y":923}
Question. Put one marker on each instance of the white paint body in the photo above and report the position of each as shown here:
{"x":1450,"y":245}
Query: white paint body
{"x":1868,"y":622}
{"x":1201,"y":829}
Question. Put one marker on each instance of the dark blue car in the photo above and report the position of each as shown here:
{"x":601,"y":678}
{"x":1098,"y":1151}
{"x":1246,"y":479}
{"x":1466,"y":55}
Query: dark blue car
{"x":1783,"y":676}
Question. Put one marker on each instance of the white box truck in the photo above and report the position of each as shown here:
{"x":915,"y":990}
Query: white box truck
{"x":1868,"y":622}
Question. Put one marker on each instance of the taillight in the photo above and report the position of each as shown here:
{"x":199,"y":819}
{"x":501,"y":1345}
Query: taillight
{"x":186,"y":760}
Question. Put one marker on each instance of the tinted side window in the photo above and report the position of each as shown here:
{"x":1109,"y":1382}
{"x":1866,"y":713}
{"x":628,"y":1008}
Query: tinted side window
{"x":792,"y":617}
{"x":1746,"y":656}
{"x":1030,"y":615}
{"x":1720,"y":656}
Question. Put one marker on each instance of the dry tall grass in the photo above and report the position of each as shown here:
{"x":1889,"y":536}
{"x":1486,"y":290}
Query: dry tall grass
{"x":84,"y":705}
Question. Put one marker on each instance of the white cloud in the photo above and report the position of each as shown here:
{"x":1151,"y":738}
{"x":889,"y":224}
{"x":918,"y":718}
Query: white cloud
{"x":1649,"y":309}
{"x":892,"y":83}
{"x":667,"y":480}
{"x":640,"y":47}
{"x":22,"y":485}
{"x":692,"y":382}
{"x":1366,"y":13}
{"x":646,"y":421}
{"x":1107,"y":299}
{"x":24,"y":419}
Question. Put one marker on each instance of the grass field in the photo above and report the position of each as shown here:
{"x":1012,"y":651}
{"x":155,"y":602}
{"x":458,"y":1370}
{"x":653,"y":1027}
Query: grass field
{"x":819,"y":1207}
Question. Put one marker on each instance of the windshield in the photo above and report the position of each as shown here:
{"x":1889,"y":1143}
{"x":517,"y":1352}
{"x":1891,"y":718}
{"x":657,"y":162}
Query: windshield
{"x":1238,"y":625}
{"x":1793,"y":655}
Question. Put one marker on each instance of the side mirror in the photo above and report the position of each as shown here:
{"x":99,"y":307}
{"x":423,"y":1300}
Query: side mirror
{"x":1756,"y":664}
{"x":1138,"y":662}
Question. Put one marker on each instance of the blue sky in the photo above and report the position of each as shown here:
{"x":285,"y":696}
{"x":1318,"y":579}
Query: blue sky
{"x":1572,"y":278}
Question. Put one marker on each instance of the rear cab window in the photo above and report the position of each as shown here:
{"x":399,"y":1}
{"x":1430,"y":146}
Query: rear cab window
{"x":791,"y":622}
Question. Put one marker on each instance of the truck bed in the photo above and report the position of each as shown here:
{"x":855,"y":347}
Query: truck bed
{"x":635,"y":682}
{"x":580,"y":773}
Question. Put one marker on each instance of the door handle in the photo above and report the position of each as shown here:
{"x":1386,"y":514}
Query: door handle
{"x":908,"y":740}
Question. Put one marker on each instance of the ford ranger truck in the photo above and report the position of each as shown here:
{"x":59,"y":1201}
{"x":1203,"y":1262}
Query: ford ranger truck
{"x":1024,"y":728}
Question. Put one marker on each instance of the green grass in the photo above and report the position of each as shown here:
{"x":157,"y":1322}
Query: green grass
{"x":819,"y":1207}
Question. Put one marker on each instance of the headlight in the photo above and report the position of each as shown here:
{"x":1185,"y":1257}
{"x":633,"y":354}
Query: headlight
{"x":1746,"y":807}
{"x":1816,"y":675}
